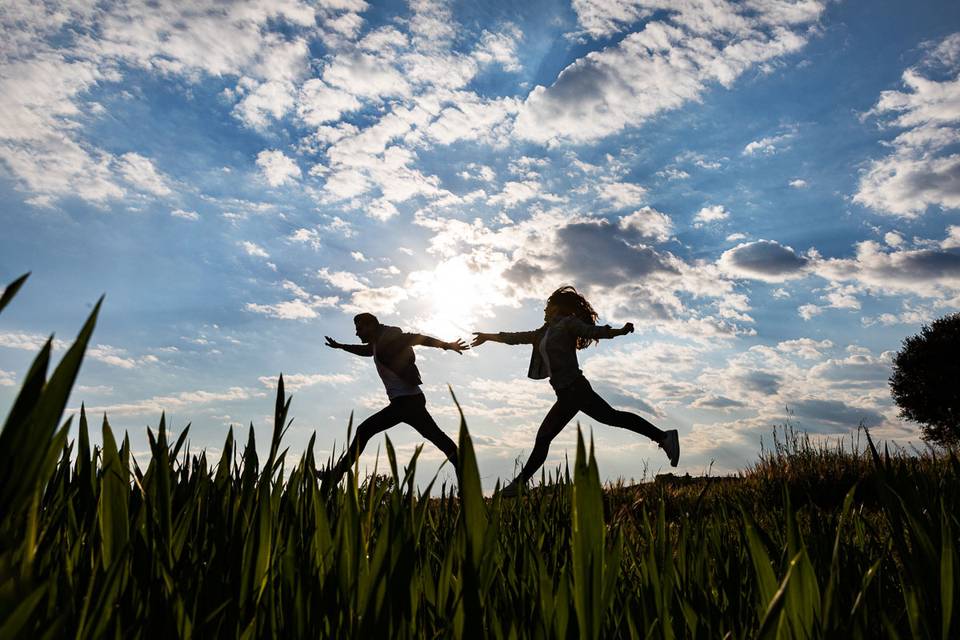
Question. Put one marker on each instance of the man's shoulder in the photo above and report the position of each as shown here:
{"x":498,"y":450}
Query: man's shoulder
{"x":391,"y":335}
{"x":386,"y":329}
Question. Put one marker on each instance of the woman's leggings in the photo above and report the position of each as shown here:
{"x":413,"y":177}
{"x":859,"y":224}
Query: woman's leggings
{"x":580,"y":396}
{"x":409,"y":409}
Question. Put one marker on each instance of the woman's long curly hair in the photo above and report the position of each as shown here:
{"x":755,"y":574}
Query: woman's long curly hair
{"x":570,"y":303}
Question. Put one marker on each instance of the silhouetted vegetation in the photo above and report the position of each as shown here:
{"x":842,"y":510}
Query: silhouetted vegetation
{"x":814,"y":540}
{"x":926,"y":380}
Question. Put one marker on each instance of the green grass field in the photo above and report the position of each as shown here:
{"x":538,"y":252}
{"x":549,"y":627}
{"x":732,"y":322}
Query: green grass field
{"x":813,"y":541}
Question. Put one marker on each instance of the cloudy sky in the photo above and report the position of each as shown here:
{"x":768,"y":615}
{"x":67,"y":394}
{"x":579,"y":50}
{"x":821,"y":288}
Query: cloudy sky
{"x":769,"y":190}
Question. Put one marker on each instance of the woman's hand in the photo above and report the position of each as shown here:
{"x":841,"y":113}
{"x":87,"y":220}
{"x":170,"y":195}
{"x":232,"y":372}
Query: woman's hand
{"x":333,"y":344}
{"x":479,"y":338}
{"x":627,"y":328}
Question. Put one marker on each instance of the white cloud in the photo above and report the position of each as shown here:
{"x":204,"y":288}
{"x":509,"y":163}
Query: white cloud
{"x":473,"y":118}
{"x":929,"y":272}
{"x":666,"y":64}
{"x":365,"y":76}
{"x":343,"y":280}
{"x":376,"y":300}
{"x":296,"y":381}
{"x":894,"y":239}
{"x":277,"y":168}
{"x":770,"y":145}
{"x":253,"y":249}
{"x":105,"y":353}
{"x":269,"y":100}
{"x":673,"y":173}
{"x":432,"y":25}
{"x":318,"y":103}
{"x":176,"y":38}
{"x":47,"y":68}
{"x":952,"y":241}
{"x":601,"y":18}
{"x":923,"y":170}
{"x":711,"y":213}
{"x":649,"y":223}
{"x":183,"y":400}
{"x":39,"y":145}
{"x":112,"y":356}
{"x":500,"y":48}
{"x":622,"y":195}
{"x":303,"y":306}
{"x":808,"y":311}
{"x":514,"y":193}
{"x":306,"y":236}
{"x":193,"y":216}
{"x":142,"y":174}
{"x":799,"y":183}
{"x":765,"y":260}
{"x":806,"y":348}
{"x":383,"y":39}
{"x":7,"y":378}
{"x":381,"y":209}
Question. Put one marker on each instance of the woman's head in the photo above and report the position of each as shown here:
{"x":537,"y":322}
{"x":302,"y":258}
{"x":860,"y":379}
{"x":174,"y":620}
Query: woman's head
{"x":566,"y":301}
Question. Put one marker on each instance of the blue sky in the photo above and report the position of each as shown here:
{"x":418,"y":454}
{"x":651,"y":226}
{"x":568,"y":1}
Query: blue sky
{"x":768,"y":190}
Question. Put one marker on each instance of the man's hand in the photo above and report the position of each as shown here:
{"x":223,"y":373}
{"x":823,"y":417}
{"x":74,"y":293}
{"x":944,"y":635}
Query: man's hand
{"x":459,"y":346}
{"x":479,"y":338}
{"x":332,"y":343}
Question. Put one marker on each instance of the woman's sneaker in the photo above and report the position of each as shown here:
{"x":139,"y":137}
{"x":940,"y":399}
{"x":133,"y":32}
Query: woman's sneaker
{"x":671,"y":446}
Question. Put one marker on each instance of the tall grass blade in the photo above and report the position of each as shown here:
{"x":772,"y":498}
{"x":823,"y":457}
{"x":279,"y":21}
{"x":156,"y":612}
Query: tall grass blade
{"x":11,"y":290}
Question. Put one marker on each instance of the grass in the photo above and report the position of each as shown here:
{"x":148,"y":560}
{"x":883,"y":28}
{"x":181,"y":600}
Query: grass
{"x":813,"y":541}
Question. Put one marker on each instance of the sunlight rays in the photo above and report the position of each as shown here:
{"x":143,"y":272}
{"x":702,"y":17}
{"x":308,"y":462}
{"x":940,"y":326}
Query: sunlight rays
{"x":457,"y":293}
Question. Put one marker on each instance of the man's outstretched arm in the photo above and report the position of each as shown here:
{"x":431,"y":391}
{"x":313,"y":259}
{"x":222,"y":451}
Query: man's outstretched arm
{"x":417,"y":339}
{"x":365,"y":350}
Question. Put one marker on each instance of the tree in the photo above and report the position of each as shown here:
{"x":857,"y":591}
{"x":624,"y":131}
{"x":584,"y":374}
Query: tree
{"x":926,"y":380}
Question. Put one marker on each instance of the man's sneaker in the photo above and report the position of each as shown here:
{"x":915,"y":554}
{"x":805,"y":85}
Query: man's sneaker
{"x":512,"y":490}
{"x":671,"y":446}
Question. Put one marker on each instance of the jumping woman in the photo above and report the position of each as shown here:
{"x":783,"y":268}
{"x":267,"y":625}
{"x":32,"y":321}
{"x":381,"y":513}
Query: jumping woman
{"x":570,"y":323}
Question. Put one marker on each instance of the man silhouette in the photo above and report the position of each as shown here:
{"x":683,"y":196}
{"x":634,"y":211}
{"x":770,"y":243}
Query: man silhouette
{"x":392,"y":353}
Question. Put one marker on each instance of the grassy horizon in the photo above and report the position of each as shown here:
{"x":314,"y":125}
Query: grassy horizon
{"x":812,"y":541}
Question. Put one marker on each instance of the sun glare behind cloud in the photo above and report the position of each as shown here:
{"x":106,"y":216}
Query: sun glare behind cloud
{"x":455,"y":295}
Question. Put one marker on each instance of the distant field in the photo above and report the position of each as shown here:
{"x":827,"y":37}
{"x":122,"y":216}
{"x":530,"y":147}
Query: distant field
{"x":812,"y":542}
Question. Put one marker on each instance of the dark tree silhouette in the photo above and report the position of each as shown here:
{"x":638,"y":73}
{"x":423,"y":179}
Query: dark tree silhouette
{"x":926,"y":380}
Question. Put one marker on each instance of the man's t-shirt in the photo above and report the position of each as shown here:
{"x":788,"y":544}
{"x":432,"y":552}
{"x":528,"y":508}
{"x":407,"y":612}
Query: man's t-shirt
{"x":392,"y":383}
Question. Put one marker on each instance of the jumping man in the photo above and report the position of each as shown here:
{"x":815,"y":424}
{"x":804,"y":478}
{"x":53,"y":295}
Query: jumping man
{"x":392,"y":352}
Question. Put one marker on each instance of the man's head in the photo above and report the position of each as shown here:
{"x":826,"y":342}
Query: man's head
{"x":367,"y":327}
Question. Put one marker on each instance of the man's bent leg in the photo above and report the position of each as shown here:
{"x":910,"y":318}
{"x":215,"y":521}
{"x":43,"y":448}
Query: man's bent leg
{"x":380,"y":421}
{"x":416,"y":415}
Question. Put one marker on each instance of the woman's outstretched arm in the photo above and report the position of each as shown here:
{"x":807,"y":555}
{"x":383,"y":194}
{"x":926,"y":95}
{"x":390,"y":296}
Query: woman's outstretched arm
{"x":505,"y":337}
{"x":592,"y":332}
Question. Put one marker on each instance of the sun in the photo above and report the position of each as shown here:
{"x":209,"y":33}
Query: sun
{"x":455,"y":296}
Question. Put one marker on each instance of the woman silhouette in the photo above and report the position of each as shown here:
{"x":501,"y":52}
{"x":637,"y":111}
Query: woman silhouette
{"x":570,"y":324}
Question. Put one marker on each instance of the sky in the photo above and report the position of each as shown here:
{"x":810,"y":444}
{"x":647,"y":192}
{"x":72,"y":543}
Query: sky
{"x":769,"y":190}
